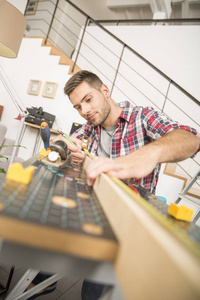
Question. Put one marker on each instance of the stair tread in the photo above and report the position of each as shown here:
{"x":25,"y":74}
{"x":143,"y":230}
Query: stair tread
{"x":64,"y":59}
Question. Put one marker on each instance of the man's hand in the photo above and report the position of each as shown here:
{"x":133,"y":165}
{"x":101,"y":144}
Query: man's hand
{"x":76,"y":155}
{"x":137,"y":165}
{"x":174,"y":146}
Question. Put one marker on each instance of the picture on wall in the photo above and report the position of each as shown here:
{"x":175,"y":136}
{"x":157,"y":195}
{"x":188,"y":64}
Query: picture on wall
{"x":34,"y":87}
{"x":49,"y":89}
{"x":31,"y":7}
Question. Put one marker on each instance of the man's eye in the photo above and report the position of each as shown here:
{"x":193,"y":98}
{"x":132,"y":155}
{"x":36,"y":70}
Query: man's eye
{"x":88,"y":100}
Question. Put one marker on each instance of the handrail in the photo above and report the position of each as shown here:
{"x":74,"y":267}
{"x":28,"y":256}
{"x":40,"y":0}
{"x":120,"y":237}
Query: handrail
{"x":54,"y":12}
{"x":190,"y":20}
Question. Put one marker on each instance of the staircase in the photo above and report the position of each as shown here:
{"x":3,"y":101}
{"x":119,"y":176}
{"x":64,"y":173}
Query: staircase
{"x":64,"y":59}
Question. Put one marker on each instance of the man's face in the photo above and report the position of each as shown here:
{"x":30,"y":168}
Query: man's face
{"x":93,"y":105}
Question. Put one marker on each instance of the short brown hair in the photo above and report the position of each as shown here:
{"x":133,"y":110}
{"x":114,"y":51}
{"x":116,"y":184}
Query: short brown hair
{"x":92,"y":79}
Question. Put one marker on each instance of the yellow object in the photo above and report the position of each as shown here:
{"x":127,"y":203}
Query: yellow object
{"x":87,"y":152}
{"x":85,"y":140}
{"x":44,"y":153}
{"x":16,"y":172}
{"x":181,"y":212}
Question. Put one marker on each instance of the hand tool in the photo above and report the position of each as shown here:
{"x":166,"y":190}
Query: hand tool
{"x":58,"y":148}
{"x":45,"y":134}
{"x":84,"y":151}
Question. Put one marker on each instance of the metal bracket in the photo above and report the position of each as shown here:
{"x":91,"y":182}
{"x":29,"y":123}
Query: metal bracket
{"x":189,"y":185}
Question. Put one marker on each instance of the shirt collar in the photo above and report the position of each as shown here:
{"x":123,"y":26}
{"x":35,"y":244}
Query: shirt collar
{"x":127,"y":110}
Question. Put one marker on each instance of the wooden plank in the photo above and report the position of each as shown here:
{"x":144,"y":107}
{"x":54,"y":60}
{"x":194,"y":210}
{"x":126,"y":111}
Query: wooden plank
{"x":151,"y":262}
{"x":38,"y":127}
{"x":67,"y":242}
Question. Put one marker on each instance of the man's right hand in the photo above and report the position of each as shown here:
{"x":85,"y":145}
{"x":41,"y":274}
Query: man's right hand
{"x":76,"y":155}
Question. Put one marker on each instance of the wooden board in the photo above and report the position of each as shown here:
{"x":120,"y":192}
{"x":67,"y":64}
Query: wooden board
{"x":156,"y":260}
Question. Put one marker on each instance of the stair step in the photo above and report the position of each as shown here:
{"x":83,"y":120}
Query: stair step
{"x":64,"y":59}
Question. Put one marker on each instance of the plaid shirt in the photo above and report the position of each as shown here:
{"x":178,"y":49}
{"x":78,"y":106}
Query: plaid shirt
{"x":137,"y":126}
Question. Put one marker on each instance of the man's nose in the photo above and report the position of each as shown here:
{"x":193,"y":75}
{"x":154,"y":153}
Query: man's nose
{"x":85,"y":108}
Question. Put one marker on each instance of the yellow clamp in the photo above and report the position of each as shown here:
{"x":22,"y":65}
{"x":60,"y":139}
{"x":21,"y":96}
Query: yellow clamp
{"x":16,"y":172}
{"x":181,"y":212}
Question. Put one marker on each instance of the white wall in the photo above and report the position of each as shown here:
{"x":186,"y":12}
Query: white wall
{"x":172,"y":49}
{"x":34,"y":62}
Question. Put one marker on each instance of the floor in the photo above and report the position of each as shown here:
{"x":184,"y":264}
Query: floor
{"x":67,"y":288}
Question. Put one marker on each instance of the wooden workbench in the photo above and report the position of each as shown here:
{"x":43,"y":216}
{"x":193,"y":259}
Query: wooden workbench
{"x":147,"y":252}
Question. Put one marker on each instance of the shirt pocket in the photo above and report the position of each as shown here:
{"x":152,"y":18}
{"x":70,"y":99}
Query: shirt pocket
{"x":130,"y":144}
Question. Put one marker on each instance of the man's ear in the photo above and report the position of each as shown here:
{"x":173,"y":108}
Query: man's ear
{"x":105,"y":90}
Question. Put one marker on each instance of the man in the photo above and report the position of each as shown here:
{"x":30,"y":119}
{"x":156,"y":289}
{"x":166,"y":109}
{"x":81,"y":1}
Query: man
{"x":130,"y":142}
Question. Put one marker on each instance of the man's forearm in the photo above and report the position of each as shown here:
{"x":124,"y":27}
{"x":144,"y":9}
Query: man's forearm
{"x":176,"y":145}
